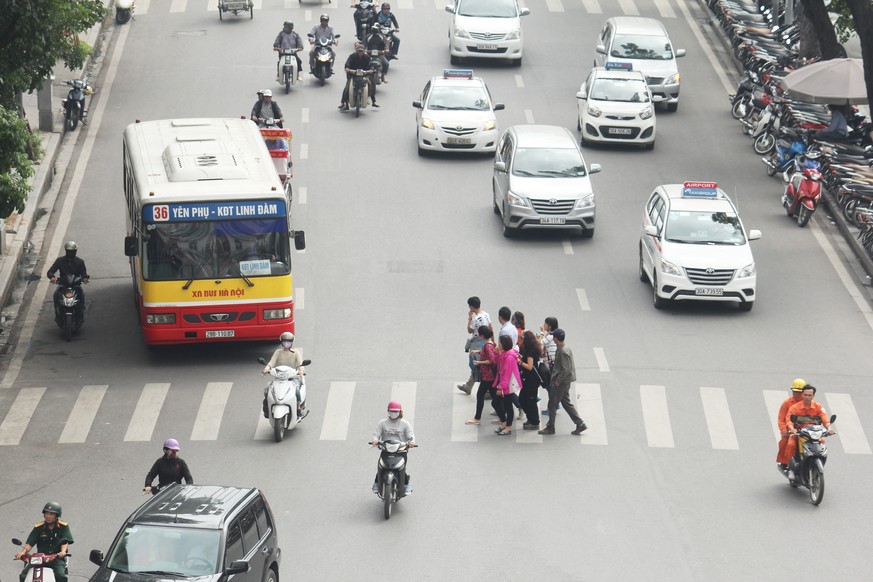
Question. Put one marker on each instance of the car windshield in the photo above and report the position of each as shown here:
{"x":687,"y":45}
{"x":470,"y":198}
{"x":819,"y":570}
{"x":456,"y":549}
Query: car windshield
{"x":625,"y":90}
{"x":649,"y":48}
{"x":168,"y":552}
{"x":471,"y":98}
{"x":548,"y":163}
{"x":488,"y":8}
{"x":713,"y":228}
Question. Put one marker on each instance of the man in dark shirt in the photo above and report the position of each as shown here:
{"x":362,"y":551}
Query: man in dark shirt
{"x":69,"y":264}
{"x":379,"y":42}
{"x":46,"y":536}
{"x":386,"y":17}
{"x":168,"y":469}
{"x":357,"y":60}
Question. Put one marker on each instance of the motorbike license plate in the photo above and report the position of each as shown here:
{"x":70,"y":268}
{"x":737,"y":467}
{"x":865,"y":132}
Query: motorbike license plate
{"x":235,"y":5}
{"x":553,"y":221}
{"x":220,"y":333}
{"x":459,"y":140}
{"x":619,"y":130}
{"x":708,"y":291}
{"x":486,"y":47}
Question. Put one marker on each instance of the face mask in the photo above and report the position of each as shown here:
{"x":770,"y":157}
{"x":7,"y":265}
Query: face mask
{"x":287,"y":345}
{"x":393,"y":415}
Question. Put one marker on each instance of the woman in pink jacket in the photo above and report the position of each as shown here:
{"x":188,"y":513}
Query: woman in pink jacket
{"x":507,"y":384}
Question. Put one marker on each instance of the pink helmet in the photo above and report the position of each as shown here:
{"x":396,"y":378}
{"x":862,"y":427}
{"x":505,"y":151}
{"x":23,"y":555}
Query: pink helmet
{"x":171,"y":444}
{"x":394,"y":406}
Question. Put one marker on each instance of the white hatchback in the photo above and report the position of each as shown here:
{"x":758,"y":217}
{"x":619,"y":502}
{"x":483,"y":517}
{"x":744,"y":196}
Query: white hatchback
{"x":693,"y":247}
{"x":488,"y":29}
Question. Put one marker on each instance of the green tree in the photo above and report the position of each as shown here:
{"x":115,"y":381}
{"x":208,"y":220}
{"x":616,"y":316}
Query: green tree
{"x":35,"y":35}
{"x":15,"y":164}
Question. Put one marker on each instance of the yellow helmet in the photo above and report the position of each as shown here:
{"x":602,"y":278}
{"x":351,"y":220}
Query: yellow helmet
{"x":798,"y":385}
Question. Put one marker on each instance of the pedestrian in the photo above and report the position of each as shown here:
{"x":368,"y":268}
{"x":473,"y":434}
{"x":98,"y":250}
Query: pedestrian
{"x":476,"y":318}
{"x":517,"y":321}
{"x":549,"y":348}
{"x":486,"y":364}
{"x":504,"y":316}
{"x":531,"y":353}
{"x":507,"y":384}
{"x":563,"y":374}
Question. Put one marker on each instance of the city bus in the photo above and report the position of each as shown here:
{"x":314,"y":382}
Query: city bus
{"x":208,"y":232}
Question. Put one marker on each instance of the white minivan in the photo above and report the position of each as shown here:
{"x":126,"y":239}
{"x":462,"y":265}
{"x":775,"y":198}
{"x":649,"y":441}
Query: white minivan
{"x":489,"y":29}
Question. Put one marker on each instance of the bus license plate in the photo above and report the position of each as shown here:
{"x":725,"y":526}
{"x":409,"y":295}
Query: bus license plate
{"x":486,"y":47}
{"x":459,"y":140}
{"x":220,"y":333}
{"x":620,"y":130}
{"x":553,"y":221}
{"x":708,"y":291}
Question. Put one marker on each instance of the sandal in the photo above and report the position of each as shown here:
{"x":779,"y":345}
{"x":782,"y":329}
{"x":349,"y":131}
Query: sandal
{"x":472,"y":421}
{"x":504,"y":432}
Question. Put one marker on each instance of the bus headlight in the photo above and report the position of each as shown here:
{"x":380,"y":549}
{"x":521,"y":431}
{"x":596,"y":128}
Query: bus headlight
{"x":277,"y":313}
{"x":161,"y":318}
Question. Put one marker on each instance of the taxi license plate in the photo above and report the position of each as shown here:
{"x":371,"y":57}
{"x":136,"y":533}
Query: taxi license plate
{"x":459,"y":140}
{"x":220,"y":333}
{"x":619,"y":130}
{"x":486,"y":47}
{"x":553,"y":221}
{"x":708,"y":291}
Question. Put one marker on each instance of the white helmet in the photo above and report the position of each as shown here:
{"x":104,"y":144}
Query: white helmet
{"x":286,"y":337}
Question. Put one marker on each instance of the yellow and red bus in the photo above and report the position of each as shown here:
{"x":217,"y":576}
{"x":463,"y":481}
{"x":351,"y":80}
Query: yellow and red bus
{"x":208,"y":232}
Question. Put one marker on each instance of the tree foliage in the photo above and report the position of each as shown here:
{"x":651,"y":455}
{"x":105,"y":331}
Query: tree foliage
{"x":15,"y":165}
{"x":35,"y":35}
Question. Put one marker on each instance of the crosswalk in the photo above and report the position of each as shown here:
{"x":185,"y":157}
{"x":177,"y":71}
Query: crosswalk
{"x":336,"y":410}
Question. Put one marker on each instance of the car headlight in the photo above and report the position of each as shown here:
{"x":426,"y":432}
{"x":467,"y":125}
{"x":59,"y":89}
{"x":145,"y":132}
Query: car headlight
{"x":586,"y":201}
{"x":425,"y":122}
{"x":489,"y":125}
{"x":460,"y":32}
{"x":515,"y":200}
{"x":161,"y":318}
{"x":747,"y":271}
{"x":277,"y":313}
{"x":672,"y":79}
{"x":594,"y":111}
{"x":670,"y":269}
{"x":514,"y":35}
{"x":646,"y":113}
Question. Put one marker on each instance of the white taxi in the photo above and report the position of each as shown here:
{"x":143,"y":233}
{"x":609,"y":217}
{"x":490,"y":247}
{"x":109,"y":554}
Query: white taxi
{"x":455,"y":113}
{"x":693,"y":246}
{"x":616,"y":105}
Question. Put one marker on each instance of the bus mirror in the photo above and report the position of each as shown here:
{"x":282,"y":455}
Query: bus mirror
{"x":299,"y":240}
{"x":130,"y":246}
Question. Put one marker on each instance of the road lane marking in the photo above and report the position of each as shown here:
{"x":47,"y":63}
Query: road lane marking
{"x":773,"y":399}
{"x":304,"y":115}
{"x":142,"y":8}
{"x":718,"y":419}
{"x":304,"y":151}
{"x":848,"y":425}
{"x":568,"y":248}
{"x":404,"y":393}
{"x":463,"y":409}
{"x":145,"y":415}
{"x":628,"y":7}
{"x":178,"y":6}
{"x":592,"y":6}
{"x":665,"y":9}
{"x":19,"y":415}
{"x":82,"y":416}
{"x":528,"y":116}
{"x":554,"y":5}
{"x":583,"y":299}
{"x":301,"y":195}
{"x":211,"y":411}
{"x":659,"y":432}
{"x":519,"y":82}
{"x":589,"y":405}
{"x":601,"y":359}
{"x":843,"y":274}
{"x":338,"y":411}
{"x":704,"y":45}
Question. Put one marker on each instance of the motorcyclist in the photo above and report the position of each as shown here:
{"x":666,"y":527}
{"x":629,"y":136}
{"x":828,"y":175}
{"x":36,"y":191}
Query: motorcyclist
{"x":169,"y":469}
{"x":378,"y":41}
{"x":395,"y":428}
{"x":807,"y":412}
{"x":357,"y":60}
{"x":68,"y":265}
{"x":288,"y":39}
{"x":285,"y":356}
{"x":323,"y":31}
{"x":796,"y":396}
{"x":46,"y":536}
{"x":363,"y":10}
{"x":386,"y":17}
{"x":265,"y":108}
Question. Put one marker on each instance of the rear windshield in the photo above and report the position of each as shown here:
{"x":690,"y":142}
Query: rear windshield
{"x":647,"y":48}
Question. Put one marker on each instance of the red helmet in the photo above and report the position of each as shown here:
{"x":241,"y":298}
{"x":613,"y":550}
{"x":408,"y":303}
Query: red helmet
{"x":394,"y":406}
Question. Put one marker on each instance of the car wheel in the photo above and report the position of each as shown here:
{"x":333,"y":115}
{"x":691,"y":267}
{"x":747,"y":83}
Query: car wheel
{"x":673,"y":107}
{"x":516,"y":63}
{"x":508,"y":231}
{"x":587,"y":233}
{"x":747,"y":306}
{"x":650,"y":146}
{"x":454,"y":60}
{"x":494,"y":200}
{"x":643,"y":277}
{"x":272,"y":576}
{"x":658,"y":301}
{"x":421,"y":152}
{"x":578,"y":124}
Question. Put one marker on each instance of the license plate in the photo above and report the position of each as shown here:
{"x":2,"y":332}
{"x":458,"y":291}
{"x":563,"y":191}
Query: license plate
{"x":619,"y":130}
{"x":708,"y":291}
{"x":486,"y":47}
{"x":220,"y":333}
{"x":458,"y":140}
{"x":235,"y":5}
{"x":553,"y":221}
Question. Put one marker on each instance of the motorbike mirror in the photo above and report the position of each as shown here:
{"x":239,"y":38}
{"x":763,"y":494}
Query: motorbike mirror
{"x":793,"y":418}
{"x":499,"y":106}
{"x":500,"y":166}
{"x":130,"y":246}
{"x":17,"y":542}
{"x":337,"y":35}
{"x":416,"y":104}
{"x":450,"y":8}
{"x":96,"y":556}
{"x":594,"y":168}
{"x":680,"y":53}
{"x":754,"y":234}
{"x":237,"y":567}
{"x":307,"y":362}
{"x":299,"y":240}
{"x":262,"y":361}
{"x":833,"y":418}
{"x":310,"y":36}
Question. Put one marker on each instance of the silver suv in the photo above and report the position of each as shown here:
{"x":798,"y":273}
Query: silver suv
{"x":541,"y":181}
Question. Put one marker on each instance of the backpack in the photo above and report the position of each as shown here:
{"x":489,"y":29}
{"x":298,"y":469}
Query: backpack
{"x":544,"y":373}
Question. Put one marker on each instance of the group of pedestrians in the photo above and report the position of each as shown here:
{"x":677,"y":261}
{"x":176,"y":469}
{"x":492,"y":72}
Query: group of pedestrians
{"x":511,"y":367}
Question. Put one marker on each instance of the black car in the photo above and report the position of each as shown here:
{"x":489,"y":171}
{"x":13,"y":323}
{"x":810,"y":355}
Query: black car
{"x":195,"y":531}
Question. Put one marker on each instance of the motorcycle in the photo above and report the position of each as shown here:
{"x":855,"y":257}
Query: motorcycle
{"x":324,"y":57}
{"x":377,"y":66}
{"x":69,"y":307}
{"x":808,"y":464}
{"x":289,"y":67}
{"x":803,"y":191}
{"x":38,"y":571}
{"x":392,"y":472}
{"x":124,"y":10}
{"x":359,"y":92}
{"x":741,"y":100}
{"x":365,"y":18}
{"x":285,"y":391}
{"x":789,"y":145}
{"x":74,"y":104}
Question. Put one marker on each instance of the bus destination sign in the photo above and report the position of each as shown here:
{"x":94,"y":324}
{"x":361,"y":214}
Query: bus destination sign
{"x":202,"y":211}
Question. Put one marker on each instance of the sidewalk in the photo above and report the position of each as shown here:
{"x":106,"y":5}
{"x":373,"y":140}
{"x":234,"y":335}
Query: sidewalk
{"x":20,"y":226}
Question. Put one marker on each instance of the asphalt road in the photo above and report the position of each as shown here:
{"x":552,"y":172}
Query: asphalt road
{"x":675,"y":478}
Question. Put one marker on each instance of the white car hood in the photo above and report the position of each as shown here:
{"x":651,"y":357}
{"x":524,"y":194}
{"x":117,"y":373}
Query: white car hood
{"x":699,"y":256}
{"x":559,"y":188}
{"x":487,"y":25}
{"x":451,"y":118}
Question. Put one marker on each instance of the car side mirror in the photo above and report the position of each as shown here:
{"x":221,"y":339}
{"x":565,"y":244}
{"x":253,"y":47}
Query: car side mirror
{"x":130,"y":246}
{"x":237,"y":567}
{"x":307,"y":362}
{"x":680,"y":53}
{"x":581,"y":95}
{"x":499,"y":166}
{"x":299,"y":240}
{"x":416,"y":104}
{"x":651,"y":230}
{"x":600,"y":49}
{"x":594,"y":168}
{"x":524,"y":12}
{"x":793,"y":418}
{"x":499,"y":106}
{"x":450,"y":8}
{"x":658,"y":99}
{"x":96,"y":556}
{"x":754,"y":234}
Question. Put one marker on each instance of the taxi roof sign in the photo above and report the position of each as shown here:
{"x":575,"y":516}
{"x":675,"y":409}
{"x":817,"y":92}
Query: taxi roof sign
{"x":619,"y":66}
{"x":457,"y":73}
{"x":700,"y":190}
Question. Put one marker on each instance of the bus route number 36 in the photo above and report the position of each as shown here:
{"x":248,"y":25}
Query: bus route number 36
{"x":161,"y":213}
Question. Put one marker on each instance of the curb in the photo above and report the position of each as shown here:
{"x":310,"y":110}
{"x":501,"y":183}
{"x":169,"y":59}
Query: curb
{"x":836,"y":214}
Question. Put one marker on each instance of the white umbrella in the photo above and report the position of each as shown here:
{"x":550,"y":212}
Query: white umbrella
{"x":837,"y":81}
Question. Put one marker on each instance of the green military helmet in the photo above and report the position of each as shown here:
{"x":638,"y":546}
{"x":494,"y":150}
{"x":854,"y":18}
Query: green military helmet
{"x":53,"y":507}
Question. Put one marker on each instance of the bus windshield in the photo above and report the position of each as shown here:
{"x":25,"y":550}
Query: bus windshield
{"x":179,"y":251}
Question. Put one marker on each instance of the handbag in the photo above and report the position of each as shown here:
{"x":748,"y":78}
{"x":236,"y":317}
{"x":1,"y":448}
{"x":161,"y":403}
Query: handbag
{"x":543,"y":373}
{"x":514,"y":386}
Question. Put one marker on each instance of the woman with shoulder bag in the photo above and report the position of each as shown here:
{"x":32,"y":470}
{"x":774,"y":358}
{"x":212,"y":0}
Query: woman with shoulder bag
{"x":507,"y":385}
{"x":531,"y":352}
{"x":486,"y":364}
